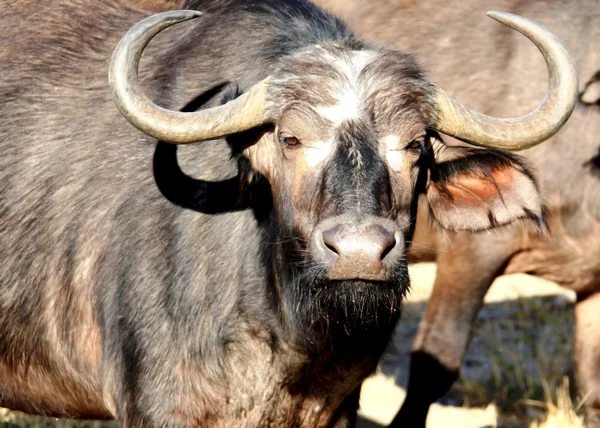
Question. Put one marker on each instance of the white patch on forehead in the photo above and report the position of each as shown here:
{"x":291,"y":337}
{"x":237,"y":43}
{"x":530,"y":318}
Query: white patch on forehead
{"x":354,"y":63}
{"x":348,"y":107}
{"x":314,"y":155}
{"x":392,"y":152}
{"x":348,"y":93}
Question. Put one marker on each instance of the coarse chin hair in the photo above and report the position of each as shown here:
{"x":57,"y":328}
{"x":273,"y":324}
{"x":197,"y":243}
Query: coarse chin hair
{"x":339,"y":311}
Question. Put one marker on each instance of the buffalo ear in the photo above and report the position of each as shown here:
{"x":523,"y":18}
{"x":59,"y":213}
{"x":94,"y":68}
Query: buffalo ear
{"x":482,"y":189}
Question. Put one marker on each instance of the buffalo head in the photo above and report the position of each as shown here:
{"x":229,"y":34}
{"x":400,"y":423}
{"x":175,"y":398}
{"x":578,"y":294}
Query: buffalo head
{"x":347,"y":143}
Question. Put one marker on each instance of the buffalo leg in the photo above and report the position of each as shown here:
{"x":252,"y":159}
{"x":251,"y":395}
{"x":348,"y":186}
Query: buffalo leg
{"x":587,"y":356}
{"x":467,"y":265}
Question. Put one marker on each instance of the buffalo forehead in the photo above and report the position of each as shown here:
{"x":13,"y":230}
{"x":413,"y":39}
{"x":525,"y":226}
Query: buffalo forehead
{"x":341,"y":85}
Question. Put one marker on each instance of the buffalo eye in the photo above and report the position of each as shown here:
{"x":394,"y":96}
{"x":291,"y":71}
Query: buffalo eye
{"x":289,"y":141}
{"x":416,"y":145}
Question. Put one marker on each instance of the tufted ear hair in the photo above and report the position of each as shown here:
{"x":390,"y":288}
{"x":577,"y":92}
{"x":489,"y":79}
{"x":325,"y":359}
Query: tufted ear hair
{"x":480,"y":189}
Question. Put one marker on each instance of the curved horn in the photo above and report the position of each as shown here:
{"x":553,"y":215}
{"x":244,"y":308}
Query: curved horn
{"x":533,"y":128}
{"x":245,"y":112}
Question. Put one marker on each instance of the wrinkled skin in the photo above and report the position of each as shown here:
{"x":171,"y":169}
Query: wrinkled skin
{"x":569,"y":166}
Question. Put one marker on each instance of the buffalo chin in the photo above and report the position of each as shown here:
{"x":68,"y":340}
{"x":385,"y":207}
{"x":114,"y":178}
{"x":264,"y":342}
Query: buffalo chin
{"x":344,"y":312}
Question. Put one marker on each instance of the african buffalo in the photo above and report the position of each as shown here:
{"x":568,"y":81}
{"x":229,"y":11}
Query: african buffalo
{"x":253,"y":279}
{"x":570,"y":175}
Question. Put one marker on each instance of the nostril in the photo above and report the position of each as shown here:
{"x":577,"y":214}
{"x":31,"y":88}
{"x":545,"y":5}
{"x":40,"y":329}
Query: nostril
{"x":330,"y":238}
{"x":332,"y":248}
{"x":389,"y":248}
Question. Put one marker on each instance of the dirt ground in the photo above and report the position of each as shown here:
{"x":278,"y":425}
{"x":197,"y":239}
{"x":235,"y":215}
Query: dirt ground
{"x":516,"y":366}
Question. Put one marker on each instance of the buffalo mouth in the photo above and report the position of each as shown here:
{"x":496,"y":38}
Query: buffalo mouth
{"x":320,"y":303}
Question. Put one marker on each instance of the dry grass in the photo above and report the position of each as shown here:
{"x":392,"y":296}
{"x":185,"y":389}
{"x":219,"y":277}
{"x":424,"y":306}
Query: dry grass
{"x":529,"y":360}
{"x":513,"y":374}
{"x":559,"y":409}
